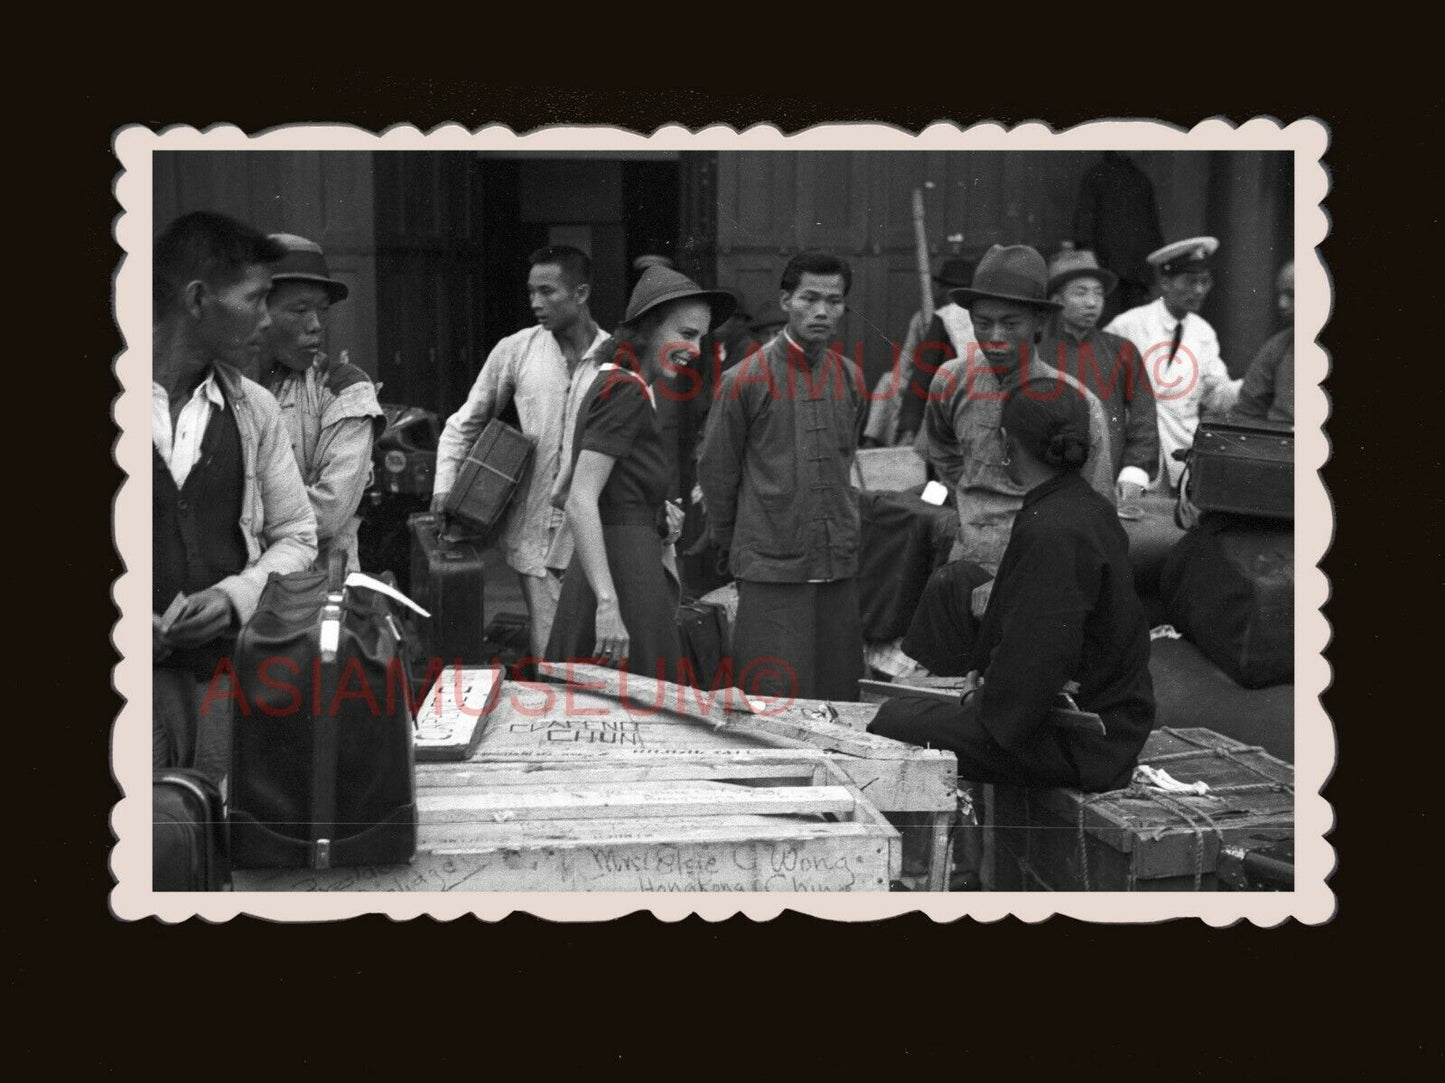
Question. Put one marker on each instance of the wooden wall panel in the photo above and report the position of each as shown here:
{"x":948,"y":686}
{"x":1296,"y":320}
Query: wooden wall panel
{"x":323,"y":195}
{"x":859,"y":205}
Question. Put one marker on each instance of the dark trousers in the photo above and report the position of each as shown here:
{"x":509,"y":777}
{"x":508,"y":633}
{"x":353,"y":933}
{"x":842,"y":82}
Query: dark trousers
{"x":798,"y":640}
{"x":191,"y":720}
{"x":954,"y":728}
{"x":943,"y":630}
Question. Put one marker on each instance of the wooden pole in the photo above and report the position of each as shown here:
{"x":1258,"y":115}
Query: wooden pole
{"x":920,"y":236}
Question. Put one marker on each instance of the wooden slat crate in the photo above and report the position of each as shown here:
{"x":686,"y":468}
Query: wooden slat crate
{"x":630,"y":820}
{"x":897,"y":777}
{"x":450,"y":720}
{"x":1125,"y":840}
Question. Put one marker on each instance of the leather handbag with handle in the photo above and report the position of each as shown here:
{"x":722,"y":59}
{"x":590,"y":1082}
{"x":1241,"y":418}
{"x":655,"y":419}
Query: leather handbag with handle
{"x":322,"y":756}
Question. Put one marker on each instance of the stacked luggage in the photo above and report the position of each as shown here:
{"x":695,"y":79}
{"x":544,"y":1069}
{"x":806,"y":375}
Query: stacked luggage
{"x":1228,"y":584}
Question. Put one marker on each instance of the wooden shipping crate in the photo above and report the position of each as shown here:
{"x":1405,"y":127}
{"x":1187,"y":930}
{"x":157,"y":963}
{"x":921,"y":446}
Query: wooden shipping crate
{"x":451,"y":717}
{"x":490,"y":476}
{"x":630,"y":820}
{"x":1137,"y":839}
{"x":602,"y":709}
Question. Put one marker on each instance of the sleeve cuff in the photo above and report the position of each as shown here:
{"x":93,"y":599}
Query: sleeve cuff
{"x":1133,"y":475}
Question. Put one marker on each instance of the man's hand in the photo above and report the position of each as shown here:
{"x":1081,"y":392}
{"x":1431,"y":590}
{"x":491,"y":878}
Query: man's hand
{"x":675,"y":518}
{"x":439,"y":501}
{"x":207,"y":614}
{"x":160,"y":648}
{"x":978,"y":600}
{"x":611,"y":638}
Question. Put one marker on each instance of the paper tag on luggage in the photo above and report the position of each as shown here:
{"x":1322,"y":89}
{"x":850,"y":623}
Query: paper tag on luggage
{"x":361,"y":579}
{"x":935,"y":494}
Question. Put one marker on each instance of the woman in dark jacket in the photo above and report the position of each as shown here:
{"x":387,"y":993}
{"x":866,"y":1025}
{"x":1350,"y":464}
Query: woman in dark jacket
{"x":619,"y":599}
{"x":1062,"y":609}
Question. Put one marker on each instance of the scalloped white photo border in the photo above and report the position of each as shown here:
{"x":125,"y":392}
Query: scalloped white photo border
{"x":1311,"y":901}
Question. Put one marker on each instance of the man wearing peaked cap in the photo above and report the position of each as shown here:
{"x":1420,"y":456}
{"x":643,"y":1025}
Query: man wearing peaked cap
{"x":546,"y":369}
{"x":1009,"y":304}
{"x":1179,"y":348}
{"x":329,"y":405}
{"x":1108,"y":365}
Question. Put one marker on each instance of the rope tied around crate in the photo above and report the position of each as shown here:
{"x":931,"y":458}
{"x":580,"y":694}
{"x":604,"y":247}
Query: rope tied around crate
{"x":1192,"y":816}
{"x":1230,"y":754}
{"x":1165,"y":801}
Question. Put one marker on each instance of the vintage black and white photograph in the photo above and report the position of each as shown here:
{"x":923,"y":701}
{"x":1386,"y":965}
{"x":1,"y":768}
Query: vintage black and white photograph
{"x":912,"y":516}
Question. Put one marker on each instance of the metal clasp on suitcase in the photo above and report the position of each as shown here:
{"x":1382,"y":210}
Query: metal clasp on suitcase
{"x":330,"y":628}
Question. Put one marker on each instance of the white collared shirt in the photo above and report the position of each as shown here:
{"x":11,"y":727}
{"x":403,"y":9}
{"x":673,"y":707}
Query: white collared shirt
{"x":181,"y":448}
{"x":1196,"y":380}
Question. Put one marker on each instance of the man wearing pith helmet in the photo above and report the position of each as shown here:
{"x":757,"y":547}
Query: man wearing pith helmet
{"x":1108,"y":365}
{"x":1179,"y":348}
{"x":329,"y":405}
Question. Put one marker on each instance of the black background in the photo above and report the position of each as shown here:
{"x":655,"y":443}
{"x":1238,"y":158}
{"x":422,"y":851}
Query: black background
{"x":196,"y":998}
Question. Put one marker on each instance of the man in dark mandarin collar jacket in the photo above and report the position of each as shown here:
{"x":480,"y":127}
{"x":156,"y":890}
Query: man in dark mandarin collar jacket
{"x":775,"y":470}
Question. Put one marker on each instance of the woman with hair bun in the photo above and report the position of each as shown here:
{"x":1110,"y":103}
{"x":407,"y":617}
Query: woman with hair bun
{"x":1062,"y":609}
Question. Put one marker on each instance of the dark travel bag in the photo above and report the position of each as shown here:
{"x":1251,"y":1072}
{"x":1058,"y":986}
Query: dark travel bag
{"x":188,"y":840}
{"x":1228,"y":587}
{"x":322,"y":757}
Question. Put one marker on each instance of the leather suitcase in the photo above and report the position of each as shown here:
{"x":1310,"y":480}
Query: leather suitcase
{"x":493,"y":471}
{"x":1228,"y":587}
{"x":188,"y":833}
{"x":702,"y":628}
{"x":322,"y":768}
{"x":447,"y":580}
{"x":1243,"y":469}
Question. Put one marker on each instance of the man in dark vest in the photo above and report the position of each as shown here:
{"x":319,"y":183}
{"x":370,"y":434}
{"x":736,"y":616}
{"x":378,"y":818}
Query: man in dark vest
{"x":329,"y":405}
{"x":228,"y":505}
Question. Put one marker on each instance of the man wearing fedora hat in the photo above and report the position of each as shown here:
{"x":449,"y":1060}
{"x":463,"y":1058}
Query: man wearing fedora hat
{"x":775,"y":469}
{"x":1009,"y":304}
{"x":1179,"y":348}
{"x":544,"y":369}
{"x":897,"y":402}
{"x":329,"y":406}
{"x":1108,"y":365}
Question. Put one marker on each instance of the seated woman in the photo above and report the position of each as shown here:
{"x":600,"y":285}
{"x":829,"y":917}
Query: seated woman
{"x":619,"y":602}
{"x":1062,"y":609}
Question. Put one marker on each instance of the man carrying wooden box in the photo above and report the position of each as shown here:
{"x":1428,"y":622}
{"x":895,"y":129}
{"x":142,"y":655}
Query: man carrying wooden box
{"x":545,"y":369}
